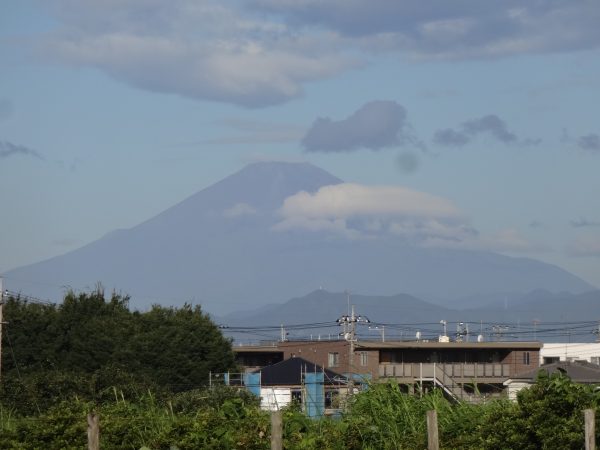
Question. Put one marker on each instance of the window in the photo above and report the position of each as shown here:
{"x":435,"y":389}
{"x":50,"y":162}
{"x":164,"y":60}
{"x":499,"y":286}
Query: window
{"x":551,"y":359}
{"x":332,"y":399}
{"x":595,"y":360}
{"x":334,"y":359}
{"x":364,"y":358}
{"x":526,"y":358}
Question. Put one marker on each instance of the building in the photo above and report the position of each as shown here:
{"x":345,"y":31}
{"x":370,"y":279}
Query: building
{"x":465,"y":370}
{"x":578,"y":371}
{"x":296,"y":379}
{"x":570,"y":351}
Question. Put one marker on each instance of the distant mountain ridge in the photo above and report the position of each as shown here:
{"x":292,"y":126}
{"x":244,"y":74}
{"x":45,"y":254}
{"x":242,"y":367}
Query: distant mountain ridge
{"x":404,"y":315}
{"x":218,"y":248}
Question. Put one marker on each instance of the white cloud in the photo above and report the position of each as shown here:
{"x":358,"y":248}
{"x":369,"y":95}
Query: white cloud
{"x":356,"y":211}
{"x":335,"y":226}
{"x":203,"y":50}
{"x":262,"y":52}
{"x":349,"y":200}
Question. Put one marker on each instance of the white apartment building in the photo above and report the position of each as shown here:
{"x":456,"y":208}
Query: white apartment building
{"x":571,"y":351}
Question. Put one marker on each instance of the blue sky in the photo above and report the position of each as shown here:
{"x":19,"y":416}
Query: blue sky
{"x":112,"y":111}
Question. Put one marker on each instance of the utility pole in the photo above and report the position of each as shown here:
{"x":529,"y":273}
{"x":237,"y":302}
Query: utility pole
{"x":349,"y":323}
{"x":1,"y":318}
{"x":351,"y":356}
{"x":283,"y":334}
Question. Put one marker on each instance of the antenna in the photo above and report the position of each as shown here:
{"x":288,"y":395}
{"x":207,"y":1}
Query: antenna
{"x":462,"y":331}
{"x":444,"y":323}
{"x":444,"y":337}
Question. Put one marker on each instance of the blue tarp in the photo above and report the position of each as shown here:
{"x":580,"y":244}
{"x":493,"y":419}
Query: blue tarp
{"x":252,"y":383}
{"x":314,"y":401}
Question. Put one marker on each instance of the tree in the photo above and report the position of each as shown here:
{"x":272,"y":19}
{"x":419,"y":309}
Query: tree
{"x":548,"y":415}
{"x":178,"y":347}
{"x":89,"y":345}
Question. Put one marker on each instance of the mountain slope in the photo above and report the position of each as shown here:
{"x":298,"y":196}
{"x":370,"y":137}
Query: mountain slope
{"x":218,"y":248}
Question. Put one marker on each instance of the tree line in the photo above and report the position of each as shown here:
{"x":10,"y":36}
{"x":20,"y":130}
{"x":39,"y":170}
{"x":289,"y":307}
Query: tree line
{"x":91,"y":344}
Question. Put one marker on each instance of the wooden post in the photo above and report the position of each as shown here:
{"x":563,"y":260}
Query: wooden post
{"x":93,"y":431}
{"x":432,"y":430}
{"x":276,"y":431}
{"x":590,"y":429}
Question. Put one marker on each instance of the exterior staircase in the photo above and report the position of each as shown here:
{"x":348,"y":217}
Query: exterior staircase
{"x":447,"y":383}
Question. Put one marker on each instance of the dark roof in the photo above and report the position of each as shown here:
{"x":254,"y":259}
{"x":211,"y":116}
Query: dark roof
{"x":289,"y":373}
{"x":578,"y":371}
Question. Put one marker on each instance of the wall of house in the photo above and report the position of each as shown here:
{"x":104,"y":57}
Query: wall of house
{"x":518,"y":360}
{"x":319,"y":353}
{"x":254,"y":360}
{"x":521,"y":360}
{"x":513,"y":388}
{"x":275,"y":398}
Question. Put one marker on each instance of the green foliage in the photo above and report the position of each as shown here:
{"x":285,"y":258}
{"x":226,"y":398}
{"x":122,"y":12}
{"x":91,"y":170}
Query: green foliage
{"x":179,"y":347}
{"x":381,"y":418}
{"x":90,"y":346}
{"x":212,"y":399}
{"x":142,"y":373}
{"x":60,"y":427}
{"x":549,"y":415}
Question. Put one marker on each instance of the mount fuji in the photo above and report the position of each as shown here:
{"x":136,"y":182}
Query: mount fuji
{"x":221,"y":248}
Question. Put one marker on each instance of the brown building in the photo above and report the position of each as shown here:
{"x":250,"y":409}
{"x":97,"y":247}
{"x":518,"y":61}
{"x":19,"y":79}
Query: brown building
{"x":465,"y":370}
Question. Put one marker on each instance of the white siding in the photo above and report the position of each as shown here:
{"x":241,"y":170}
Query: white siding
{"x":571,"y":351}
{"x":273,"y":399}
{"x":512,"y":387}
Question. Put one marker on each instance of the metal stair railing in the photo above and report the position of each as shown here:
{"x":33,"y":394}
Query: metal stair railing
{"x":446,"y":382}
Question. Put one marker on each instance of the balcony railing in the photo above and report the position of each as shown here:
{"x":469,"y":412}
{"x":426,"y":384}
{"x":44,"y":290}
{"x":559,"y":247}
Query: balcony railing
{"x":454,"y":370}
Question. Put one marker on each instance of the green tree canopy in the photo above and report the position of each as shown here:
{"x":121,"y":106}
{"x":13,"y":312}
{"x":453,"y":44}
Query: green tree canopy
{"x":90,"y":343}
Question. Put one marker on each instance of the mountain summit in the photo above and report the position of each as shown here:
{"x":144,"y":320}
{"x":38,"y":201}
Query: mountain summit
{"x":221,"y":247}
